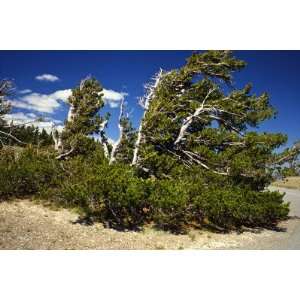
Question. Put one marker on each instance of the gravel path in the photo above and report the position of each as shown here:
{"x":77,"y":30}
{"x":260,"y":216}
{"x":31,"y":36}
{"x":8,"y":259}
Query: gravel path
{"x":289,"y":238}
{"x":26,"y":225}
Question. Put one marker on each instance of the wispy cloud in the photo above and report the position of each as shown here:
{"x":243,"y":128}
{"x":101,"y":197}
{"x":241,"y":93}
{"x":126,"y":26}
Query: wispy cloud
{"x":113,"y":98}
{"x":47,"y":77}
{"x":46,"y":103}
{"x":33,"y":119}
{"x":26,"y":91}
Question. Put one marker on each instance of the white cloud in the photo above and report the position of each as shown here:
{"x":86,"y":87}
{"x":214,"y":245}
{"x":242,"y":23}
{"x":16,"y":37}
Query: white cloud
{"x":32,"y":119}
{"x":48,"y":103}
{"x":113,"y":98}
{"x":32,"y":115}
{"x":26,"y":91}
{"x":47,"y":77}
{"x":20,"y":117}
{"x":42,"y":102}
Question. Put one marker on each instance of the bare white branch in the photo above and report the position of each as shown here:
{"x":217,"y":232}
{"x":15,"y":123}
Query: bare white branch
{"x":103,"y":139}
{"x":146,"y":102}
{"x":63,"y":155}
{"x":56,"y":136}
{"x":188,"y":121}
{"x":82,"y":82}
{"x":121,"y":129}
{"x":196,"y":158}
{"x":12,"y":137}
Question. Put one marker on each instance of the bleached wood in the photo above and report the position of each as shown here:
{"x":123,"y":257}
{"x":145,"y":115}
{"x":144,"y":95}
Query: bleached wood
{"x":188,"y":121}
{"x":103,"y":141}
{"x":145,"y":102}
{"x":66,"y":154}
{"x":11,"y":136}
{"x":121,"y":129}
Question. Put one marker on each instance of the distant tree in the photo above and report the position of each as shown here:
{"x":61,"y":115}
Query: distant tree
{"x":45,"y":138}
{"x":292,"y":167}
{"x":191,"y":120}
{"x":29,"y":134}
{"x":6,"y":88}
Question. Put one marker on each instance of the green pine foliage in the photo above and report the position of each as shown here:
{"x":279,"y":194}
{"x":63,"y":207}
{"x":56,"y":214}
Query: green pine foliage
{"x":192,"y":121}
{"x":26,"y":172}
{"x":117,"y":196}
{"x":124,"y":152}
{"x":28,"y":134}
{"x":86,"y":101}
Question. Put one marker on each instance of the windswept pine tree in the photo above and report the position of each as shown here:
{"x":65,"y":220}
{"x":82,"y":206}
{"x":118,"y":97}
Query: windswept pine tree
{"x":83,"y":119}
{"x":194,"y":116}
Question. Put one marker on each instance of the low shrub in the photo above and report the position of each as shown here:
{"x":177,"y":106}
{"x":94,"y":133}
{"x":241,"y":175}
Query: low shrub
{"x":112,"y":193}
{"x":231,"y":208}
{"x":26,"y":172}
{"x":125,"y":197}
{"x":119,"y":197}
{"x":171,"y":205}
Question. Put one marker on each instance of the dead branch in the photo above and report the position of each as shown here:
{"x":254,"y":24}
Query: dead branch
{"x":145,"y":103}
{"x":64,"y":155}
{"x":188,"y":121}
{"x":121,"y":129}
{"x":103,"y":139}
{"x":12,"y":137}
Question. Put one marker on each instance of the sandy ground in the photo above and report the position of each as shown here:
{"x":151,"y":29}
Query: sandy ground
{"x":26,"y":225}
{"x":292,"y":182}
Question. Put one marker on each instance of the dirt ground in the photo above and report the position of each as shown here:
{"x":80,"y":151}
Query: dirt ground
{"x":27,"y":225}
{"x":292,"y":182}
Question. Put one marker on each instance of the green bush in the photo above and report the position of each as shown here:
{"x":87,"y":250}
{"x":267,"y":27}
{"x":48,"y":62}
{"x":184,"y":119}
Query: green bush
{"x":125,"y":197}
{"x":26,"y":172}
{"x":112,"y":193}
{"x":231,"y":208}
{"x":119,"y":197}
{"x":81,"y":186}
{"x":171,"y":205}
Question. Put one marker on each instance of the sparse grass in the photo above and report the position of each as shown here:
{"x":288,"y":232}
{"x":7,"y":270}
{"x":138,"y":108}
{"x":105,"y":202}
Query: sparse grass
{"x":292,"y":182}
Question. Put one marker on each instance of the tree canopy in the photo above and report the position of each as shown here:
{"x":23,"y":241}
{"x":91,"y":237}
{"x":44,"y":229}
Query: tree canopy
{"x":196,"y":117}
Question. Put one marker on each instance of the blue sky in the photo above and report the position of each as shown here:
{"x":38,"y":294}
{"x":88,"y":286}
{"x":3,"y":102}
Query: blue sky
{"x":125,"y":72}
